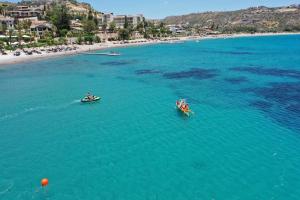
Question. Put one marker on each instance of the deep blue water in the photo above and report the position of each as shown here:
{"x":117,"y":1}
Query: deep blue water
{"x":243,"y":142}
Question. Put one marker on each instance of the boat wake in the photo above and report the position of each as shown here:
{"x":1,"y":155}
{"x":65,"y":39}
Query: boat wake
{"x":36,"y":109}
{"x":25,"y":111}
{"x":6,"y":188}
{"x":64,"y":106}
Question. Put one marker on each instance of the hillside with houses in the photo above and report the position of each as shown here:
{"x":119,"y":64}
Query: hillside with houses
{"x":255,"y":19}
{"x":35,"y":23}
{"x":53,"y":22}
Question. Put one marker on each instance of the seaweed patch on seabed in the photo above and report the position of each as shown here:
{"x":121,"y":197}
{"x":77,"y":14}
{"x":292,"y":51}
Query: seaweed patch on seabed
{"x":147,"y":71}
{"x":196,"y":73}
{"x":261,"y":105}
{"x":237,"y":80}
{"x":119,"y":62}
{"x":269,"y":71}
{"x":281,"y":101}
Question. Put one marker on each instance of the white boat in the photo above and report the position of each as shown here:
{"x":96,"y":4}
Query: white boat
{"x":88,"y":99}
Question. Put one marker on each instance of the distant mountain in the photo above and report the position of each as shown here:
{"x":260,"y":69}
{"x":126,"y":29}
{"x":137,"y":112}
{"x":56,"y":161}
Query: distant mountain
{"x":255,"y":19}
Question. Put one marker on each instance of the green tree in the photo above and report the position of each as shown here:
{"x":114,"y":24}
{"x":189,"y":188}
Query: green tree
{"x":1,"y":10}
{"x":19,"y":27}
{"x":79,"y":39}
{"x":26,"y":25}
{"x":97,"y":39}
{"x":59,"y":17}
{"x":1,"y":45}
{"x":89,"y":39}
{"x":3,"y":28}
{"x":90,"y":15}
{"x":32,"y":36}
{"x":69,"y":34}
{"x":63,"y":32}
{"x":10,"y":34}
{"x":124,"y":34}
{"x":112,"y":27}
{"x":54,"y":30}
{"x":140,"y":27}
{"x":89,"y":26}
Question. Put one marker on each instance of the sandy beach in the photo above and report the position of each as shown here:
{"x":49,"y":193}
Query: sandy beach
{"x":11,"y":59}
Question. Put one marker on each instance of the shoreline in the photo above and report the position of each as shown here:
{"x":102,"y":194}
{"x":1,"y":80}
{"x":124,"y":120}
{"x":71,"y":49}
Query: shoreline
{"x":10,"y":59}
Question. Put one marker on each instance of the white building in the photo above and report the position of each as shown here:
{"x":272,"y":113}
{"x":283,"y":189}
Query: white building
{"x":120,"y":20}
{"x":107,"y":18}
{"x":8,"y":21}
{"x":41,"y":27}
{"x":176,"y":29}
{"x":27,"y":11}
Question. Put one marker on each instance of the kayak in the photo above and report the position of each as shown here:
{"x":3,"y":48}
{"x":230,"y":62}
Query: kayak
{"x":87,"y":100}
{"x":182,"y":106}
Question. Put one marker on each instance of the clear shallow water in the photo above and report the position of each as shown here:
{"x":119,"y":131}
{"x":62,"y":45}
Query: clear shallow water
{"x":242,"y":143}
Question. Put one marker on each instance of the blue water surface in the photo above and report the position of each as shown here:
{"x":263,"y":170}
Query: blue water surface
{"x":242,"y":143}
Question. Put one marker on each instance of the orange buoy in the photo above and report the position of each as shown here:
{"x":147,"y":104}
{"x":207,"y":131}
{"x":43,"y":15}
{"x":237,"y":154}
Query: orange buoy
{"x":44,"y":182}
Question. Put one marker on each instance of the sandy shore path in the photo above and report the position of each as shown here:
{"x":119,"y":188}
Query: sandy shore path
{"x":11,"y":59}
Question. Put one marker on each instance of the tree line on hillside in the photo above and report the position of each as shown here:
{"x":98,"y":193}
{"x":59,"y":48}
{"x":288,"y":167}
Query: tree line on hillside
{"x":59,"y":16}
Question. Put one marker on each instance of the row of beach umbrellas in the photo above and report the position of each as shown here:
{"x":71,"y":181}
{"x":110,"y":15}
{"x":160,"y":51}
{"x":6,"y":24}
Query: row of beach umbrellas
{"x":4,"y":36}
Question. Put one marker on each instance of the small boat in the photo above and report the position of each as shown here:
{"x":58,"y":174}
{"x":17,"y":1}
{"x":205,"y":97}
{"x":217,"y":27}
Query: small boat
{"x":90,"y":98}
{"x":182,"y":106}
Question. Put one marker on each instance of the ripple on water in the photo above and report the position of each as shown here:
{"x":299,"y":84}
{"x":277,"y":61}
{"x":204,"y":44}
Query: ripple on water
{"x":5,"y":187}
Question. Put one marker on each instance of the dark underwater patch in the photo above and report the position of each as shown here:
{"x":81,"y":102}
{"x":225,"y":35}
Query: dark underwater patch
{"x":196,"y":73}
{"x":118,"y":62}
{"x":237,"y":80}
{"x":261,"y":105}
{"x":294,"y":108}
{"x":147,"y":71}
{"x":269,"y":71}
{"x":281,"y":101}
{"x":282,"y":93}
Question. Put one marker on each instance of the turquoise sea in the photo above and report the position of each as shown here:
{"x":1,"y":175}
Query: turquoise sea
{"x":242,"y":143}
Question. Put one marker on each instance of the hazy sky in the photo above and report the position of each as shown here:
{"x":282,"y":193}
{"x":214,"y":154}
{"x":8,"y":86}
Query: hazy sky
{"x":162,"y":8}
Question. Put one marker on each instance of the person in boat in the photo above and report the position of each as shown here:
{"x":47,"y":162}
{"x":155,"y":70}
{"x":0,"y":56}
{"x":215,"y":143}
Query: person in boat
{"x":184,"y":107}
{"x":90,"y":97}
